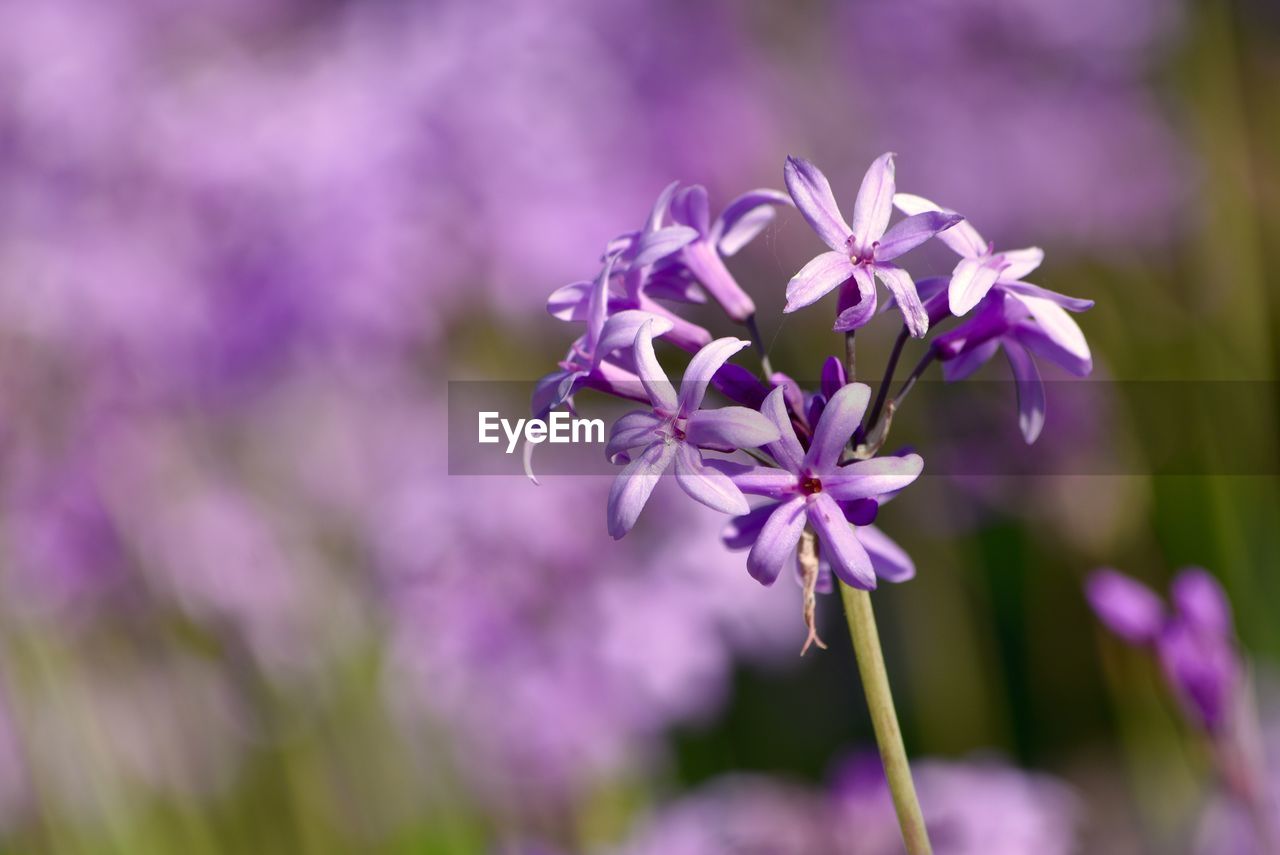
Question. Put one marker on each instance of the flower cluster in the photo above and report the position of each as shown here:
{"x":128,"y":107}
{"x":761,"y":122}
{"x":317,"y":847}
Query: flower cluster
{"x":1194,"y":641}
{"x":814,"y":454}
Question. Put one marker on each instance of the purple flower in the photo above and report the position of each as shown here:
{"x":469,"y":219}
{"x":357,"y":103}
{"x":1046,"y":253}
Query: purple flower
{"x":860,"y":251}
{"x":1193,"y":641}
{"x":743,"y":219}
{"x":1023,"y":319}
{"x":675,"y":430}
{"x":811,"y":487}
{"x":980,"y":265}
{"x":586,"y":363}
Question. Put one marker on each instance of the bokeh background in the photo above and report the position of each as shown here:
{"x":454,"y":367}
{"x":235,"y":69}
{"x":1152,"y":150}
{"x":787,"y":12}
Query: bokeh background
{"x":245,"y":244}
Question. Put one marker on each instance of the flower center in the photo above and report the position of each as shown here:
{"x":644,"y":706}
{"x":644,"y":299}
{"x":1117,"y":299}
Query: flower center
{"x":810,"y":485}
{"x":673,"y":430}
{"x":859,"y":255}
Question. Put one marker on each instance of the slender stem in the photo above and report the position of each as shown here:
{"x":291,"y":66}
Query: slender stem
{"x":889,"y":369}
{"x":759,"y":341}
{"x":884,"y":719}
{"x":910,"y":382}
{"x":850,"y":357}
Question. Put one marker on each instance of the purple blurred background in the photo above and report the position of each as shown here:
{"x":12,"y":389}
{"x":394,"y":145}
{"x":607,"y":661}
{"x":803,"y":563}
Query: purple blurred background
{"x":244,"y":246}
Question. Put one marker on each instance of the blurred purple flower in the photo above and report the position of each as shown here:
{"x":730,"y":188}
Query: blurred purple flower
{"x":860,"y":252}
{"x":979,"y":807}
{"x":1194,"y":642}
{"x":812,"y":488}
{"x":1052,"y":74}
{"x":598,"y":657}
{"x":1125,"y":606}
{"x":1244,"y":818}
{"x":674,"y":432}
{"x":739,"y":815}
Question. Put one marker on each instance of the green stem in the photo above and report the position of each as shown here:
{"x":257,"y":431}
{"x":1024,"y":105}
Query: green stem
{"x":884,"y":719}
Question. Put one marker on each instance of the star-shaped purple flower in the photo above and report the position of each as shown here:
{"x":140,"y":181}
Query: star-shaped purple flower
{"x":674,"y":431}
{"x":811,"y":487}
{"x":861,"y":251}
{"x":980,"y":266}
{"x":1023,"y":321}
{"x":1194,"y":642}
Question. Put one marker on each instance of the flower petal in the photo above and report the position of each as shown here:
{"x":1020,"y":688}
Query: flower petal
{"x":1020,"y":262}
{"x":730,"y":428}
{"x":547,"y":392}
{"x":908,"y":234}
{"x":777,"y":541}
{"x":744,"y":218}
{"x":1124,"y":605}
{"x":817,"y":279}
{"x":1200,"y":601}
{"x":1056,"y":323}
{"x":756,"y":480}
{"x":690,"y":208}
{"x":621,"y":328}
{"x":598,"y":302}
{"x":660,"y":207}
{"x":1071,"y":304}
{"x":633,"y":486}
{"x":839,"y":420}
{"x":969,"y":361}
{"x":656,"y":245}
{"x":786,"y":449}
{"x":739,"y":385}
{"x":874,"y":204}
{"x":672,"y":281}
{"x":1031,"y":404}
{"x":970,"y":282}
{"x":741,"y":532}
{"x":680,"y":331}
{"x":629,"y":431}
{"x":833,"y":376}
{"x":815,"y":201}
{"x":1203,"y":669}
{"x":570,"y":302}
{"x":849,"y":560}
{"x":705,"y":363}
{"x":963,"y":238}
{"x":705,"y":484}
{"x":867,"y":479}
{"x":899,"y":283}
{"x":991,"y":320}
{"x":890,"y":561}
{"x":856,"y":305}
{"x":656,"y":385}
{"x":1060,"y":332}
